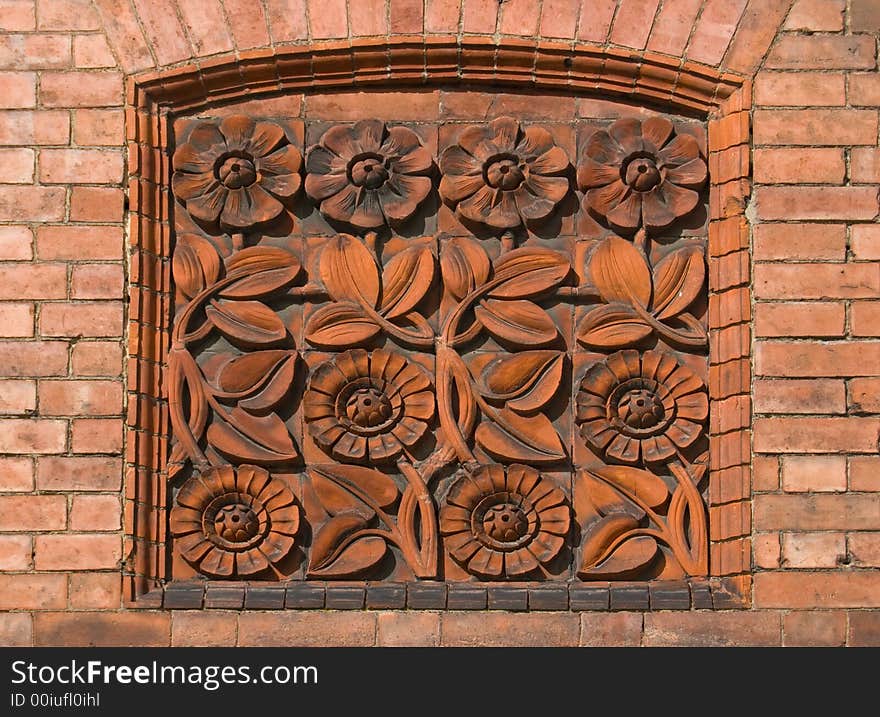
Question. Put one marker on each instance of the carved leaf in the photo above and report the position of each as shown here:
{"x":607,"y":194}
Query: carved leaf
{"x":693,"y":329}
{"x":519,"y":322}
{"x":251,"y":439}
{"x":613,"y":326}
{"x":512,"y":437}
{"x":621,"y":273}
{"x":607,"y":499}
{"x":644,"y":485}
{"x":464,"y":266}
{"x":361,"y":555}
{"x":195,"y":264}
{"x":526,"y":380}
{"x":250,"y":370}
{"x":262,"y":284}
{"x":337,"y":485}
{"x":275,"y":389}
{"x":406,"y":279}
{"x":348,"y":270}
{"x":250,"y":322}
{"x":341,"y":324}
{"x":678,"y":280}
{"x":531,"y":271}
{"x":330,"y":537}
{"x":602,"y":534}
{"x":254,"y":259}
{"x":625,"y":561}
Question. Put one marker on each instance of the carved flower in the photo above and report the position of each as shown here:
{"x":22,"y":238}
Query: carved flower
{"x":642,"y":174}
{"x":230,"y":521}
{"x":501,"y":523}
{"x":500,"y":175}
{"x":637,"y":407}
{"x":368,"y":174}
{"x":236,"y":172}
{"x":368,"y":406}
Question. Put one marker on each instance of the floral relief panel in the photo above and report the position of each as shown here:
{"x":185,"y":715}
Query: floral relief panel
{"x":458,"y":350}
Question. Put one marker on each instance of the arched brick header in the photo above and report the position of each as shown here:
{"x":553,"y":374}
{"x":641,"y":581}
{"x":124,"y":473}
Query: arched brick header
{"x":642,"y":78}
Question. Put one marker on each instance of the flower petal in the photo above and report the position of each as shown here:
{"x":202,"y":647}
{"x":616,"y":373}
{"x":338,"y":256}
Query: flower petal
{"x":679,"y":200}
{"x":206,"y":139}
{"x":188,"y":159}
{"x":321,"y":160}
{"x":537,"y":141}
{"x":552,"y":188}
{"x":545,"y":546}
{"x":477,"y":141}
{"x":217,"y":562}
{"x":248,"y":206}
{"x":683,"y":433}
{"x":368,"y":134}
{"x":341,"y":205}
{"x":694,"y":407}
{"x":628,"y":133}
{"x":462,"y":547}
{"x":456,"y":161}
{"x":657,"y":448}
{"x":464,"y":493}
{"x":604,"y":149}
{"x":602,"y":200}
{"x":600,"y":380}
{"x":680,"y":150}
{"x":368,"y":211}
{"x":487,"y":563}
{"x":418,"y":161}
{"x":420,"y":405}
{"x":265,"y":137}
{"x":401,"y":195}
{"x":628,"y":214}
{"x":455,"y":188}
{"x":505,"y":132}
{"x":186,"y":185}
{"x":208,"y":206}
{"x":383,"y":447}
{"x":624,"y":364}
{"x":276,"y":546}
{"x":409,"y":430}
{"x":399,"y":142}
{"x":554,"y":161}
{"x":497,"y":209}
{"x":321,"y":186}
{"x":655,"y":211}
{"x":624,"y":449}
{"x":286,"y":160}
{"x":690,"y":174}
{"x":519,"y":562}
{"x":238,"y":130}
{"x":281,"y":185}
{"x":658,"y":365}
{"x":193,"y":547}
{"x":250,"y":562}
{"x":350,"y":446}
{"x":556,"y":520}
{"x":326,"y":431}
{"x":592,"y":174}
{"x":656,"y":131}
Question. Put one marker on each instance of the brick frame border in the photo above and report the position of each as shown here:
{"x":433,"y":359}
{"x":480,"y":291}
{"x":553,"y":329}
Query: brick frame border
{"x":153,"y":99}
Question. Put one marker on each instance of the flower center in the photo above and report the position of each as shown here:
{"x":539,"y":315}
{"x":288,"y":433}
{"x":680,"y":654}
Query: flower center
{"x":640,"y":408}
{"x":368,"y":171}
{"x":234,"y":172}
{"x":505,"y":523}
{"x":642,"y":174}
{"x":504,"y":172}
{"x":236,"y":523}
{"x":368,"y":408}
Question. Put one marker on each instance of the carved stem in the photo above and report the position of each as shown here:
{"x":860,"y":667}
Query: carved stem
{"x":424,"y":557}
{"x":666,"y":331}
{"x":237,"y":241}
{"x":180,"y":426}
{"x":697,"y":513}
{"x":448,"y":375}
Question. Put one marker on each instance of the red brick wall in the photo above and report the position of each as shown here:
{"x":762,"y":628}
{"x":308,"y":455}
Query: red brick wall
{"x":815,"y":246}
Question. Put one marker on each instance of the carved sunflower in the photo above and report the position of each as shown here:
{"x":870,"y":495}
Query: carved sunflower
{"x":635,"y":407}
{"x":503,"y":523}
{"x":236,"y":172}
{"x":368,"y":406}
{"x":501,"y":175}
{"x":641,"y":174}
{"x":234,"y":522}
{"x":368,"y":174}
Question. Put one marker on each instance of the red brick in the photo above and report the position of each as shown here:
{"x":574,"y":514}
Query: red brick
{"x":367,"y":18}
{"x":519,"y":17}
{"x":79,"y":473}
{"x":865,"y":318}
{"x":864,"y":16}
{"x":247,"y":21}
{"x":865,"y":165}
{"x":802,"y":318}
{"x":328,"y":18}
{"x":22,"y":435}
{"x":95,"y":512}
{"x":799,"y":242}
{"x":708,"y":629}
{"x":864,"y":629}
{"x":162,"y":28}
{"x":799,"y":166}
{"x":193,"y":628}
{"x":407,"y":17}
{"x":18,"y":473}
{"x":206,"y":24}
{"x":85,"y":319}
{"x":95,"y":591}
{"x":832,"y":52}
{"x":817,"y":281}
{"x":33,"y":592}
{"x":815,"y":435}
{"x":422,"y":105}
{"x":408,"y":629}
{"x":479,"y":15}
{"x":813,"y":550}
{"x":103,"y":629}
{"x":490,"y":629}
{"x":558,"y":19}
{"x":34,"y":127}
{"x":79,"y":242}
{"x":96,"y":204}
{"x":81,"y":166}
{"x":779,"y":358}
{"x":33,"y":358}
{"x":864,"y":396}
{"x":16,"y":628}
{"x":15,"y":552}
{"x":814,"y":629}
{"x":32,"y":512}
{"x":799,"y":396}
{"x":816,"y":15}
{"x":67,"y":398}
{"x":864,"y":473}
{"x":864,"y":549}
{"x":81,"y":89}
{"x":16,"y":166}
{"x":96,"y":435}
{"x":82,"y":551}
{"x":96,"y":358}
{"x":18,"y":90}
{"x":32,"y":204}
{"x":863,"y":89}
{"x":17,"y":397}
{"x":33,"y":281}
{"x":98,"y":127}
{"x":616,"y":629}
{"x":766,"y":550}
{"x":595,"y":19}
{"x":800,"y":89}
{"x":92,"y":51}
{"x":442,"y":15}
{"x":307,"y":629}
{"x":16,"y":320}
{"x":632,"y":23}
{"x":814,"y":473}
{"x":125,"y":35}
{"x":17,"y":15}
{"x":817,"y":512}
{"x":97,"y":281}
{"x":765,"y":473}
{"x":815,"y":127}
{"x":67,"y":15}
{"x":757,"y":30}
{"x":865,"y":242}
{"x":673,"y":26}
{"x":287,"y":22}
{"x":35,"y":52}
{"x":16,"y":243}
{"x":805,"y":589}
{"x":714,"y":30}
